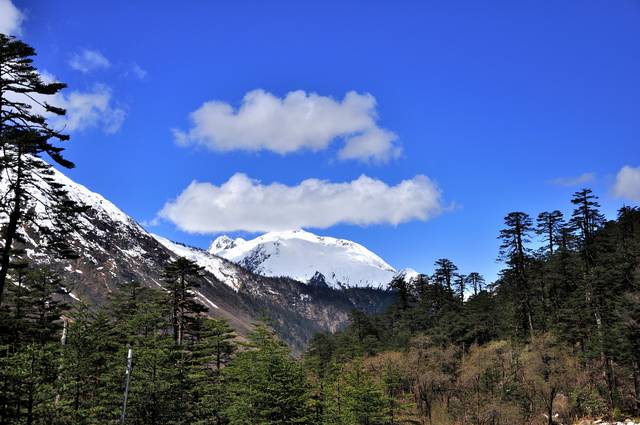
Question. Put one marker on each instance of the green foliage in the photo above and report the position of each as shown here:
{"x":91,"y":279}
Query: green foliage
{"x":28,"y":389}
{"x":357,"y":398}
{"x":266,"y":385}
{"x":214,"y":351}
{"x":181,"y":281}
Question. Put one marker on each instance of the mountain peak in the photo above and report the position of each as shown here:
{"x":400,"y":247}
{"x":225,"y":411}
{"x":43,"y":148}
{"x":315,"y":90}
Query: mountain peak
{"x":301,"y":255}
{"x":223,"y":243}
{"x":289,"y":234}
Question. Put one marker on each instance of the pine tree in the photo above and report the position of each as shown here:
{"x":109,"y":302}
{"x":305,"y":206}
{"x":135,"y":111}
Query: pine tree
{"x":482,"y":319}
{"x":181,"y":279}
{"x":461,"y":282}
{"x":476,"y":281}
{"x":364,"y":332}
{"x":43,"y":305}
{"x":25,"y":136}
{"x":23,"y":90}
{"x":28,"y":363}
{"x":514,"y":252}
{"x":318,"y":362}
{"x":357,"y":398}
{"x":586,"y":219}
{"x":445,"y":272}
{"x":549,"y":226}
{"x":266,"y":385}
{"x":29,"y":384}
{"x":213,"y":350}
{"x":399,"y":284}
{"x":91,"y":369}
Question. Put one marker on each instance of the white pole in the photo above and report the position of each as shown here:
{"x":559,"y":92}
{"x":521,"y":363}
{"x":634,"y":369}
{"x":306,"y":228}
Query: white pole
{"x":127,"y":378}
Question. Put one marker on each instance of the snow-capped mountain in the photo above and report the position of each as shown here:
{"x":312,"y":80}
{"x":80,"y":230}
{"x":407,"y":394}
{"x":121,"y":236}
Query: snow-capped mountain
{"x":306,"y":257}
{"x":113,"y":248}
{"x":407,"y":274}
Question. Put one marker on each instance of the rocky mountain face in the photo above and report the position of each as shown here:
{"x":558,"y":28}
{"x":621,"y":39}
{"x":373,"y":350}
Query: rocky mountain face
{"x":113,"y":248}
{"x":306,"y":257}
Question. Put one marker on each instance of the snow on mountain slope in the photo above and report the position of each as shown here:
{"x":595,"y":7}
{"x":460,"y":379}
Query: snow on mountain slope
{"x":221,"y":269}
{"x":103,"y":221}
{"x":407,"y":274}
{"x":98,"y":203}
{"x":306,"y":257}
{"x":113,"y":248}
{"x":107,"y":211}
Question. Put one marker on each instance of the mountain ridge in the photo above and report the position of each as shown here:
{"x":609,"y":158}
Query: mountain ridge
{"x":304,"y":256}
{"x":113,"y":249}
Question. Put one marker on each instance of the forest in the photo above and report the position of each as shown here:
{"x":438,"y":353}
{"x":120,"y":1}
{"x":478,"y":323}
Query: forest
{"x":555,"y":339}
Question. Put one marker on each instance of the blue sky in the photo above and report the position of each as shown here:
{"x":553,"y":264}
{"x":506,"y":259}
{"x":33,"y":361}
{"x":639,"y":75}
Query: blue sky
{"x":493,"y":101}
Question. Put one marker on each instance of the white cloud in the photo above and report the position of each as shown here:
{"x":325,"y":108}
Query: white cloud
{"x":627,"y":183}
{"x":92,"y":109}
{"x":85,"y":109}
{"x":375,"y":145}
{"x":296,"y":122}
{"x":574,"y":181}
{"x":242,"y":203}
{"x":11,"y":18}
{"x":89,"y":60}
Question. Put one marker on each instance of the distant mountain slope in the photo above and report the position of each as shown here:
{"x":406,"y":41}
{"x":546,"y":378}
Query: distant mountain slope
{"x":113,"y":248}
{"x":306,"y":257}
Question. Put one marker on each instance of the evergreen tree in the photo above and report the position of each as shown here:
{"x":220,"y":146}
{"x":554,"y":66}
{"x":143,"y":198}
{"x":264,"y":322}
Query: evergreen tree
{"x":29,"y":377}
{"x":364,"y":332}
{"x":25,"y":136}
{"x":461,"y":282}
{"x":476,"y":281}
{"x":549,"y":226}
{"x":43,"y":306}
{"x":33,"y":308}
{"x":363,"y":400}
{"x":31,"y":352}
{"x":586,"y":219}
{"x":318,"y":361}
{"x":154,"y":385}
{"x":399,"y":284}
{"x":142,"y":320}
{"x":91,"y":369}
{"x":212,"y":352}
{"x":481,"y":318}
{"x":181,"y":280}
{"x":445,"y":272}
{"x":514,"y":252}
{"x":266,"y":385}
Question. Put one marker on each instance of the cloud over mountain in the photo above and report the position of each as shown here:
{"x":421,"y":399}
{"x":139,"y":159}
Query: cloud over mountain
{"x":246,"y":204}
{"x":298,"y":121}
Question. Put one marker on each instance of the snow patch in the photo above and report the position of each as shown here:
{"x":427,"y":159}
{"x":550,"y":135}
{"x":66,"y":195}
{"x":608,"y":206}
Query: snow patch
{"x":223,"y":271}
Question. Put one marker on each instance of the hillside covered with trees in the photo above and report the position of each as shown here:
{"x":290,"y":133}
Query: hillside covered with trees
{"x":554,"y":339}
